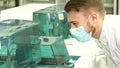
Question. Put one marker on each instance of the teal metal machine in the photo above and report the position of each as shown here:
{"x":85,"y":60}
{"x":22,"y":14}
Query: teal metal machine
{"x":54,"y":28}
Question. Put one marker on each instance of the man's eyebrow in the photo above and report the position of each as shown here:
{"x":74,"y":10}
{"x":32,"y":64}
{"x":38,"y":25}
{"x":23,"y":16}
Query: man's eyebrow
{"x":73,"y":21}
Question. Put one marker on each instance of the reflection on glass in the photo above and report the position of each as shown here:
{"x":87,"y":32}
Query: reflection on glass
{"x":52,"y":21}
{"x":19,"y":43}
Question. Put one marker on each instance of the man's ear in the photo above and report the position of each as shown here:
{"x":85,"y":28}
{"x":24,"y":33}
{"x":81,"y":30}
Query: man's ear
{"x":93,"y":19}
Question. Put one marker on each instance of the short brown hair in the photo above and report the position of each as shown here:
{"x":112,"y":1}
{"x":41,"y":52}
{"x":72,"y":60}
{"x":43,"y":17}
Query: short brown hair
{"x":77,"y":5}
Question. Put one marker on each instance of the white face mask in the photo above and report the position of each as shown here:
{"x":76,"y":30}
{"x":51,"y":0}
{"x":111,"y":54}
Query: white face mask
{"x":80,"y":34}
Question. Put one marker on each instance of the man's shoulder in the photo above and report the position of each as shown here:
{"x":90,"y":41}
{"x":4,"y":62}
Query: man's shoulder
{"x":113,"y":21}
{"x":114,"y":29}
{"x":115,"y":18}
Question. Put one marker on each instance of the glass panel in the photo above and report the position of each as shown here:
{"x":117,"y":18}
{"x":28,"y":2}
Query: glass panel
{"x":19,"y":44}
{"x":52,"y":21}
{"x":53,"y":50}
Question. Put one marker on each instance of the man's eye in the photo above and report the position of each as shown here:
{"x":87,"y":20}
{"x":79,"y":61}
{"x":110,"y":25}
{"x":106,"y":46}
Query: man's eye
{"x":75,"y":24}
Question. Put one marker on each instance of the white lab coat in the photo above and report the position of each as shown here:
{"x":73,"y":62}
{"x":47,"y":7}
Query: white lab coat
{"x":109,"y":39}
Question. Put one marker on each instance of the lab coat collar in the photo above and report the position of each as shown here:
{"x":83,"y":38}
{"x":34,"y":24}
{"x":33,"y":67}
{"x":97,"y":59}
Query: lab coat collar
{"x":103,"y":40}
{"x":102,"y":37}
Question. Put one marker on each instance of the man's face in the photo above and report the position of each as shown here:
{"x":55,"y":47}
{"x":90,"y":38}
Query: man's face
{"x":78,"y":19}
{"x":92,"y":21}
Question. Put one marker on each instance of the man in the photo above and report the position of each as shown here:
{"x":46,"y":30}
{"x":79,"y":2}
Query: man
{"x":87,"y":18}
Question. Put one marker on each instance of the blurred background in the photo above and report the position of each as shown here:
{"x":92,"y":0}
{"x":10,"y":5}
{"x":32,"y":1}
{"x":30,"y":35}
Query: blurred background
{"x":112,"y":6}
